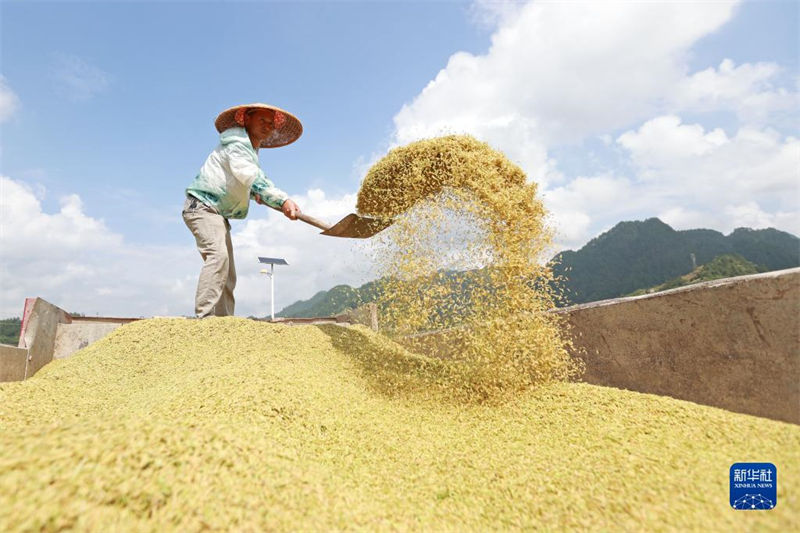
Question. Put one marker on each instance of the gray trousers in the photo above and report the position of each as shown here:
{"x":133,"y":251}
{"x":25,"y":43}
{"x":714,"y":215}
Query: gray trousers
{"x":212,"y":231}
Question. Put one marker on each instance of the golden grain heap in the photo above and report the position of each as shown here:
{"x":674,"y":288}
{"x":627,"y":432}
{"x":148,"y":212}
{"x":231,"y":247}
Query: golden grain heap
{"x":466,"y":257}
{"x":229,"y":424}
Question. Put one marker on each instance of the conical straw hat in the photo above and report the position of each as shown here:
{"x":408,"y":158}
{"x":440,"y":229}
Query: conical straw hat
{"x":288,"y":133}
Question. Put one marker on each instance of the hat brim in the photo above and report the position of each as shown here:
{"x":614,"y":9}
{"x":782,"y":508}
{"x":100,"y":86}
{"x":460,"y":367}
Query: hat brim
{"x":287,"y":134}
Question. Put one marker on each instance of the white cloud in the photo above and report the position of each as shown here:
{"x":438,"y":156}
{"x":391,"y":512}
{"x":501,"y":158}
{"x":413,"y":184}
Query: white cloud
{"x":577,"y":206}
{"x":690,"y":177}
{"x":9,"y":101}
{"x":77,"y":79}
{"x":746,"y":90}
{"x":76,"y":262}
{"x":692,"y":165}
{"x":663,"y":140}
{"x":681,"y":218}
{"x":730,"y":217}
{"x":751,"y":215}
{"x":315,"y":262}
{"x":490,"y":14}
{"x":27,"y":233}
{"x":687,"y":176}
{"x":561,"y":74}
{"x":558,"y":72}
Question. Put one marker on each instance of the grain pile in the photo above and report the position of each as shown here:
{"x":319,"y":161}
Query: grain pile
{"x":230,"y":424}
{"x":467,"y":253}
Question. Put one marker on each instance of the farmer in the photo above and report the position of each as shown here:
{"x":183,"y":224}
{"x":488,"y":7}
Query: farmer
{"x":222,"y":189}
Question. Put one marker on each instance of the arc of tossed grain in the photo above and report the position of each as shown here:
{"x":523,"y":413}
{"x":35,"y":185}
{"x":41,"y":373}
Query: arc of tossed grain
{"x":506,"y":340}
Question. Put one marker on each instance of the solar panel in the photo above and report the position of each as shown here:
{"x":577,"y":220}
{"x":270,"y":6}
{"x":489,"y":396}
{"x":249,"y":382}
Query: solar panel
{"x":272,"y":260}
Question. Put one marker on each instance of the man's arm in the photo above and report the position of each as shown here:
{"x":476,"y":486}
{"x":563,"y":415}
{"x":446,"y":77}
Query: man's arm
{"x":264,"y":192}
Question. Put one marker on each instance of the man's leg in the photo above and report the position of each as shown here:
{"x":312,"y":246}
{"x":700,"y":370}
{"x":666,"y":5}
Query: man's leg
{"x":209,"y":230}
{"x":227,"y":302}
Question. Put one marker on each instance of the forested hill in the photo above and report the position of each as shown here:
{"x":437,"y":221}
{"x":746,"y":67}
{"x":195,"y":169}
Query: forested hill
{"x":9,"y":331}
{"x":722,"y":266}
{"x":331,"y":302}
{"x":641,"y":254}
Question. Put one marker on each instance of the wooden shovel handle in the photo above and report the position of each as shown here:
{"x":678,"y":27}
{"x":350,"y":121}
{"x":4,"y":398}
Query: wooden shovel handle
{"x":308,"y":219}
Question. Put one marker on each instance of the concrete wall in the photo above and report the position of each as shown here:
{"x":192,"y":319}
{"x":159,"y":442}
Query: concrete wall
{"x":39,"y":332}
{"x":366,"y":315}
{"x":80,"y":333}
{"x":12,"y":363}
{"x":50,"y":332}
{"x":732,"y":343}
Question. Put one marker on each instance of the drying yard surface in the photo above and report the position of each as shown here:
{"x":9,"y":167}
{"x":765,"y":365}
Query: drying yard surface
{"x":225,"y":423}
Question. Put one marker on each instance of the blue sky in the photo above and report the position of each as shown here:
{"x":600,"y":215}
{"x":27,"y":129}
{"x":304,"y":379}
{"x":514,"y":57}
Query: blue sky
{"x":133,"y":137}
{"x":620,"y":111}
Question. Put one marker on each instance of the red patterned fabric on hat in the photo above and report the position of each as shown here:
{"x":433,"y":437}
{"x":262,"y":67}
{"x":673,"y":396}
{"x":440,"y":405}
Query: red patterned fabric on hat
{"x":279,"y":120}
{"x":239,"y":117}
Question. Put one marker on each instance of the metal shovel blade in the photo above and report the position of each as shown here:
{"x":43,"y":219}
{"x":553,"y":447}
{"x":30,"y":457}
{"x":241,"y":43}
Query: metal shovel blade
{"x":357,"y":227}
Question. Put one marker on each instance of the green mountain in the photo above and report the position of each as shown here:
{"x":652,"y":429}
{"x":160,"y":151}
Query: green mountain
{"x":630,"y":257}
{"x":722,"y":266}
{"x":331,"y":302}
{"x":636,"y":255}
{"x":9,"y":331}
{"x":324,"y":303}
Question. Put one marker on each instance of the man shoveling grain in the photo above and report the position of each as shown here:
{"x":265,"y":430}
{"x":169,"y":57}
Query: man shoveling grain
{"x":222,"y":190}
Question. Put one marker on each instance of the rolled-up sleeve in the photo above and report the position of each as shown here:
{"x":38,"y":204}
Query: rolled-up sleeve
{"x":263,"y":191}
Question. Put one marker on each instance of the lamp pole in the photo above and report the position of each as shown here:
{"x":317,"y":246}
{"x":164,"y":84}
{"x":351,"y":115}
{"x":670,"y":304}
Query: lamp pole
{"x":272,"y":261}
{"x":271,"y":274}
{"x":272,"y":292}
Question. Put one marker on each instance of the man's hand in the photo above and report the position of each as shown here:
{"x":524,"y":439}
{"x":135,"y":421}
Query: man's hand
{"x":290,"y":209}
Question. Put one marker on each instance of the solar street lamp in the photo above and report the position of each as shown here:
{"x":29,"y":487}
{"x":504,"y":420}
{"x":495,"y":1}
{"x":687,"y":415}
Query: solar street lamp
{"x":271,"y":261}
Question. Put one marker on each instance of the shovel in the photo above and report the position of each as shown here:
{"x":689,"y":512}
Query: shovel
{"x":352,"y":226}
